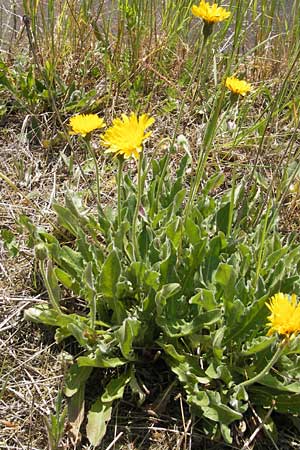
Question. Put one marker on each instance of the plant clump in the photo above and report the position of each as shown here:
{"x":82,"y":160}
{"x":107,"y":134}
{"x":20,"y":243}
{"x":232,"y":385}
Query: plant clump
{"x":186,"y":264}
{"x":190,"y":275}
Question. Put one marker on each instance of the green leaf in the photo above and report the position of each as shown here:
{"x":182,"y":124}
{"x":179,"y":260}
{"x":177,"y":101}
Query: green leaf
{"x":90,"y":293}
{"x":284,"y":403}
{"x":136,"y":273}
{"x":273,"y":382}
{"x":225,"y":275}
{"x":4,"y":81}
{"x":194,"y":262}
{"x":189,"y":372}
{"x":203,"y":319}
{"x":80,"y":331}
{"x":204,"y":298}
{"x":110,"y":275}
{"x":167,"y":266}
{"x":177,"y":201}
{"x":274,"y":257}
{"x":212,"y":257}
{"x":226,"y":433}
{"x":177,"y":318}
{"x":258,"y":344}
{"x":48,"y":316}
{"x":213,"y":183}
{"x":152,"y":279}
{"x":185,"y":161}
{"x":248,"y":320}
{"x":174,"y":231}
{"x":76,"y":412}
{"x":192,"y":231}
{"x":67,"y":280}
{"x":126,"y":334}
{"x":217,"y":342}
{"x":52,"y":286}
{"x":293,"y":257}
{"x":100,"y":412}
{"x":136,"y":388}
{"x":9,"y":242}
{"x":144,"y":239}
{"x":61,"y":334}
{"x":98,"y":360}
{"x":76,"y":377}
{"x":171,"y":350}
{"x":223,"y":216}
{"x":43,"y":314}
{"x":98,"y":417}
{"x":234,"y":311}
{"x":218,"y":412}
{"x":115,"y":388}
{"x":167,"y":291}
{"x":73,"y":260}
{"x":67,"y":219}
{"x":217,"y":371}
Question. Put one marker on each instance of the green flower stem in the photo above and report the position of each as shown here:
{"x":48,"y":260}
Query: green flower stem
{"x":149,"y":163}
{"x":182,"y":104}
{"x":93,"y":311}
{"x":262,"y":244}
{"x":198,"y":68}
{"x":207,"y":144}
{"x":137,"y":207}
{"x":119,"y":183}
{"x":231,"y":207}
{"x":92,"y":151}
{"x":266,"y":369}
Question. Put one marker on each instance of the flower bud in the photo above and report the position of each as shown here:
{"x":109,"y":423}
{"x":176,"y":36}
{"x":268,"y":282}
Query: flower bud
{"x":40,"y":251}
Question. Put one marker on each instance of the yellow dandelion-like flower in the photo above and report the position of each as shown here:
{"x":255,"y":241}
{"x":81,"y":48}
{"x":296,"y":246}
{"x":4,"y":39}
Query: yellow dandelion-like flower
{"x":237,"y":86}
{"x":126,"y":136}
{"x":83,"y":124}
{"x":210,"y":13}
{"x":285,"y":314}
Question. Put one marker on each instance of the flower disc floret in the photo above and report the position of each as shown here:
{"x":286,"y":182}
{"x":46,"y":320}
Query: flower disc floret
{"x":240,"y":87}
{"x":126,"y":136}
{"x":210,"y":13}
{"x":84,"y":124}
{"x":285,"y":315}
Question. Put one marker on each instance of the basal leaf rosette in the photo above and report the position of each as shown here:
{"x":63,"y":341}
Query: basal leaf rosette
{"x":210,"y":13}
{"x":126,"y":136}
{"x":84,"y":124}
{"x":285,"y":315}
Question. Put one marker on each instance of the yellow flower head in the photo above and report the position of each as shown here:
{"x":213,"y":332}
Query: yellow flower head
{"x":237,"y":86}
{"x":285,"y":315}
{"x":210,"y":13}
{"x":126,"y":136}
{"x":85,"y":123}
